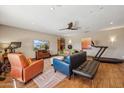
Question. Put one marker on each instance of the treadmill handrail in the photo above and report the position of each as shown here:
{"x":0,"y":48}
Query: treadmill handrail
{"x":100,"y":52}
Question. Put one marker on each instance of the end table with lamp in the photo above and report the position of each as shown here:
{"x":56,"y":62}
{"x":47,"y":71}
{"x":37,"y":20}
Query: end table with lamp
{"x":4,"y":64}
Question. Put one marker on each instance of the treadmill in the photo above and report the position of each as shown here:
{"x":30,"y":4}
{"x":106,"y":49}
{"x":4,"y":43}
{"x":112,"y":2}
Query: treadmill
{"x":104,"y":59}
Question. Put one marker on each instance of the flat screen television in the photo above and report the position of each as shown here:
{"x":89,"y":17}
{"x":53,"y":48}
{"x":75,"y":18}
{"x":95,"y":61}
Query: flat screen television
{"x":40,"y":44}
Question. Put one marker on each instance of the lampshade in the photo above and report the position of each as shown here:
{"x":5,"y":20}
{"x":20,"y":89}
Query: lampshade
{"x":4,"y":45}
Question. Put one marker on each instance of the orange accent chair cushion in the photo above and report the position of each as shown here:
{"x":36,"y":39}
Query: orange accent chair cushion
{"x":20,"y":68}
{"x":29,"y":61}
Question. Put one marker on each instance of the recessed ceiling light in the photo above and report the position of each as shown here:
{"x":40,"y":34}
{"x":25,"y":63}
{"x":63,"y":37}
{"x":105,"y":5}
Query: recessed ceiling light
{"x":52,"y":8}
{"x":111,"y":23}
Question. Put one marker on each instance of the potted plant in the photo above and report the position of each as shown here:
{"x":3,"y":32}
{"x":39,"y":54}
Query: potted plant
{"x":46,"y":47}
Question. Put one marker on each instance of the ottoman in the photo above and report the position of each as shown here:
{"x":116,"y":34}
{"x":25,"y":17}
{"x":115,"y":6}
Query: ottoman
{"x":57,"y":57}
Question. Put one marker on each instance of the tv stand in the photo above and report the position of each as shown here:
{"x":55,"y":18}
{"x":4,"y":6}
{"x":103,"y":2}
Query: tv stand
{"x":41,"y":54}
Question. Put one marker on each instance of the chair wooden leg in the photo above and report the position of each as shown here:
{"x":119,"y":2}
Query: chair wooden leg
{"x":54,"y":70}
{"x":69,"y":77}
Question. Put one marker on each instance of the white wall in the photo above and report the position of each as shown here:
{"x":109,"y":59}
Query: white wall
{"x":9,"y":34}
{"x":115,"y":50}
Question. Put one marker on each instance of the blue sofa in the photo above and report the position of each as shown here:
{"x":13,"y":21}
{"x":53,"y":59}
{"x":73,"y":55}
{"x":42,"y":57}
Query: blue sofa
{"x":69,"y":63}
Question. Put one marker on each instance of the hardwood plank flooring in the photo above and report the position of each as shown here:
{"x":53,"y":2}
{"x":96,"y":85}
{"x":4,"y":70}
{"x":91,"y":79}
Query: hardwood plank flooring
{"x":108,"y":76}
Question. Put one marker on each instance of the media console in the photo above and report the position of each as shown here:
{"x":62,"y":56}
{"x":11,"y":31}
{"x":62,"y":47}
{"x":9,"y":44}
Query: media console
{"x":41,"y":54}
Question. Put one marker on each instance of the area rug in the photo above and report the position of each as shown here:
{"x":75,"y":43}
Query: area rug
{"x":49,"y":79}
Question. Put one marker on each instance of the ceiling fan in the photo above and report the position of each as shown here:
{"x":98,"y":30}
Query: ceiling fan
{"x":71,"y":26}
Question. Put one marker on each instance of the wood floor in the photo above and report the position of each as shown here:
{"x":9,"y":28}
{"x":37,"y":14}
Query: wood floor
{"x":108,"y":76}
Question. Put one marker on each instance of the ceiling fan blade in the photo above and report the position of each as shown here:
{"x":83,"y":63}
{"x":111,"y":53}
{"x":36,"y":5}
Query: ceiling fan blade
{"x":63,"y":29}
{"x":75,"y":28}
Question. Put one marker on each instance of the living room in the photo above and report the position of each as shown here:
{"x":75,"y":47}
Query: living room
{"x":67,"y":36}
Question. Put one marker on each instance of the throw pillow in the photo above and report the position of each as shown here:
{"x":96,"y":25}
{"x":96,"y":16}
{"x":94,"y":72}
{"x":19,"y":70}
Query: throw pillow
{"x":29,"y":61}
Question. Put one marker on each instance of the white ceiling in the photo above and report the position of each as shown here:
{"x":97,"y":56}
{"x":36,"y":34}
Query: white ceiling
{"x":44,"y":19}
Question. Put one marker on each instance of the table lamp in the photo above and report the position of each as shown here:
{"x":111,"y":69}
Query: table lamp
{"x":4,"y":45}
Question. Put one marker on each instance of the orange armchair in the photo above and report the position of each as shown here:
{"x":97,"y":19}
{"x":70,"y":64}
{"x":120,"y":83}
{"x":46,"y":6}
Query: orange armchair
{"x":22,"y":70}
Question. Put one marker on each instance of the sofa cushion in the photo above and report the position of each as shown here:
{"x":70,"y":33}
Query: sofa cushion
{"x":77,"y":59}
{"x":29,"y":61}
{"x":67,"y":59}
